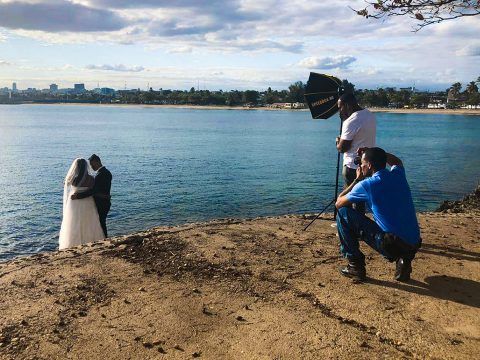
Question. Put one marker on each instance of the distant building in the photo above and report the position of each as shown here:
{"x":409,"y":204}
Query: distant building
{"x":53,"y":88}
{"x":107,"y":91}
{"x":79,"y":88}
{"x":14,"y":87}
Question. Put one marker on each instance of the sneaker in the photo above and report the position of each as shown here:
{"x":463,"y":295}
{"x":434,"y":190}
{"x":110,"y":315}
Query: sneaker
{"x":354,"y":271}
{"x":403,"y":269}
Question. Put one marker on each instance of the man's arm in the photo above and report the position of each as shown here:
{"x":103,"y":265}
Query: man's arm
{"x":84,"y":194}
{"x":343,"y":145}
{"x":392,"y":160}
{"x":342,"y":199}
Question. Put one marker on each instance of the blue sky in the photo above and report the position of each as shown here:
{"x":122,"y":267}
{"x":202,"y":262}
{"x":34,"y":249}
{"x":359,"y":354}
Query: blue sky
{"x":238,"y":44}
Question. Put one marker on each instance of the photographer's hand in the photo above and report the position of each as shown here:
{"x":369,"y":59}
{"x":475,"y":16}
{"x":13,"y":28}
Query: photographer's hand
{"x":360,"y":175}
{"x":361,"y":150}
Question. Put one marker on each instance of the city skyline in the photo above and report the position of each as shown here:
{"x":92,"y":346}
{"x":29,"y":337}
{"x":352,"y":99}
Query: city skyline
{"x":225,"y":45}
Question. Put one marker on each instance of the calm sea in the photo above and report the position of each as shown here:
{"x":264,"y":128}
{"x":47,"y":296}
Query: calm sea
{"x":172,"y":166}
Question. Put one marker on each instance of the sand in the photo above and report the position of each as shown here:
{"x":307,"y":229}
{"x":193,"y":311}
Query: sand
{"x":474,"y":112}
{"x":244,"y":289}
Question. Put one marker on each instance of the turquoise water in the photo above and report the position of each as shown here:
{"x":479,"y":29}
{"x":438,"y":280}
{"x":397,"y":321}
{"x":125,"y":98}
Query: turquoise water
{"x":172,"y":166}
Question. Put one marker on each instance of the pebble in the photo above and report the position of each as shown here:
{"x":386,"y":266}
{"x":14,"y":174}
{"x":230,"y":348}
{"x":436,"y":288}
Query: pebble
{"x":378,"y":334}
{"x":157,"y":342}
{"x":147,"y":344}
{"x":126,"y":301}
{"x":196,"y":354}
{"x":141,"y":289}
{"x":161,"y":350}
{"x":178,"y":347}
{"x":240,"y":318}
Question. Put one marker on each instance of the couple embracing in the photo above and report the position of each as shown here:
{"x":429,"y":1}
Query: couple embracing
{"x":86,"y":203}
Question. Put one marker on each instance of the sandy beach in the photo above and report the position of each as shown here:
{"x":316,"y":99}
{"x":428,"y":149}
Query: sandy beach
{"x":475,"y":112}
{"x":244,"y":289}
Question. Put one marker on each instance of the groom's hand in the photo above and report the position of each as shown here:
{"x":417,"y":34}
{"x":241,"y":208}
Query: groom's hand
{"x":74,"y":196}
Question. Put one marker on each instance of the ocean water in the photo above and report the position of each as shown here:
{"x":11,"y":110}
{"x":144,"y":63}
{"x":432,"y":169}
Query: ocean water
{"x":172,"y":166}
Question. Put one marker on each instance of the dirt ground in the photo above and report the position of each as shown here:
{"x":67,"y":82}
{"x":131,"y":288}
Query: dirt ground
{"x":244,"y":289}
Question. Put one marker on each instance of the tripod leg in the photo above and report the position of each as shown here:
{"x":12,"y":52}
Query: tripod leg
{"x":321,"y":212}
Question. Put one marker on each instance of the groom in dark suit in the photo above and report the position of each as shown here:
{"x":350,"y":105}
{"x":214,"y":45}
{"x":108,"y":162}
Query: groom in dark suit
{"x":100,"y":191}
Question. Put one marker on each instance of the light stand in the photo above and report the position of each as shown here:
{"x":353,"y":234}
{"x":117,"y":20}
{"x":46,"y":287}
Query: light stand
{"x":336,"y":188}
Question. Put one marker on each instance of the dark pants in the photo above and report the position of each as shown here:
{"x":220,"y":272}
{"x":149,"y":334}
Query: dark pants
{"x":353,"y":226}
{"x":103,"y":208}
{"x":349,"y":175}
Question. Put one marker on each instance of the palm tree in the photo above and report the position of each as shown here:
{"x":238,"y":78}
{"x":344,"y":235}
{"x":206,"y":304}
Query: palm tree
{"x":471,"y":88}
{"x":456,"y":88}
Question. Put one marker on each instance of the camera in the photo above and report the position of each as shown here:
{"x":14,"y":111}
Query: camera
{"x":357,"y":160}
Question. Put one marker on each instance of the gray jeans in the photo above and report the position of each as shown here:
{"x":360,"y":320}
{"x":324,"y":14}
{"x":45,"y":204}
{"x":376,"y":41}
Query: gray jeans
{"x":349,"y":175}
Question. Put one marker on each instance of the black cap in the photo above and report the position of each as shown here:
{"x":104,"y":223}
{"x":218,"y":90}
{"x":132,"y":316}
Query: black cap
{"x":94,"y":157}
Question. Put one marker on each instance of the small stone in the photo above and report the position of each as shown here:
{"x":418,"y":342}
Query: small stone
{"x":141,"y":289}
{"x":48,"y":291}
{"x":161,"y":350}
{"x":178,"y":347}
{"x":240,"y":318}
{"x":196,"y":354}
{"x":137,"y":338}
{"x":14,"y":340}
{"x":126,"y":301}
{"x":364,"y":344}
{"x":24,"y":322}
{"x":378,"y":334}
{"x":82,"y":313}
{"x":103,"y":316}
{"x":196,"y":291}
{"x":1,"y":344}
{"x":157,"y":342}
{"x":147,"y":344}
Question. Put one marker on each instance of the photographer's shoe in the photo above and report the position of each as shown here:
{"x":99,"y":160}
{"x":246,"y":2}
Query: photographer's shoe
{"x":354,"y":271}
{"x":403,"y":269}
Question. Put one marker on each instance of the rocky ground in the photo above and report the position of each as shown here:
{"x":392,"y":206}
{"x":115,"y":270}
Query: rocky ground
{"x":244,"y":289}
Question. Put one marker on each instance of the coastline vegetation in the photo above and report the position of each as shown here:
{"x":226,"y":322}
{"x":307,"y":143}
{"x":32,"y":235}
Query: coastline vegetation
{"x":389,"y":97}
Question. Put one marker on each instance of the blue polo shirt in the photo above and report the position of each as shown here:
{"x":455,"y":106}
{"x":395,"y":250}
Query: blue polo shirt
{"x":388,"y":195}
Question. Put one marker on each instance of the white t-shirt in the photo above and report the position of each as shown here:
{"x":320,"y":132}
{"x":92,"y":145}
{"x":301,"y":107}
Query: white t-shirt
{"x":361,"y":129}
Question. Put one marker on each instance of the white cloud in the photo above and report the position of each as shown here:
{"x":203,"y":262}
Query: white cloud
{"x":180,"y":50}
{"x":4,"y":63}
{"x":118,"y":67}
{"x":328,"y":62}
{"x":469,"y":50}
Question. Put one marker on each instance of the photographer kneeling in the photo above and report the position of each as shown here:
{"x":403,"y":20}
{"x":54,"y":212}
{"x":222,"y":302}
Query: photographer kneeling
{"x":395,"y":232}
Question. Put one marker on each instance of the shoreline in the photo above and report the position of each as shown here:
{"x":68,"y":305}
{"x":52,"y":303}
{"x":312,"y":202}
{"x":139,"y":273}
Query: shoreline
{"x":473,"y":112}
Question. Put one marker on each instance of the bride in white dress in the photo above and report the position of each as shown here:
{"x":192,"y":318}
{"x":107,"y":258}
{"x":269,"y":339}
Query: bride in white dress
{"x":80,"y":224}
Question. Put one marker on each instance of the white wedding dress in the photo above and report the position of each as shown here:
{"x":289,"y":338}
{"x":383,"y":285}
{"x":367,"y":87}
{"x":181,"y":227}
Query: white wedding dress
{"x":80,"y":223}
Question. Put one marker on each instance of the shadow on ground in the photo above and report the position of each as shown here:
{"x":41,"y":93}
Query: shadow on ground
{"x":463,"y":291}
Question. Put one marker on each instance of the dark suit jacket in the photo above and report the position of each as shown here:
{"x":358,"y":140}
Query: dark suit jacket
{"x":101,"y":190}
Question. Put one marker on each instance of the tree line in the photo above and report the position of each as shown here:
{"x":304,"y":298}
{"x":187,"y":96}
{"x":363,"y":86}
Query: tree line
{"x":382,"y":97}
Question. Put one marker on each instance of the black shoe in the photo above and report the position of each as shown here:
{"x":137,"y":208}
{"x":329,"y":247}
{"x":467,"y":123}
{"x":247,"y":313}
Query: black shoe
{"x":403,"y":269}
{"x":354,"y":271}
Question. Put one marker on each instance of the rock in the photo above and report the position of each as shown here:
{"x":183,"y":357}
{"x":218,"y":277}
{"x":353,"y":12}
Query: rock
{"x":378,"y":334}
{"x":141,"y":289}
{"x":137,"y":338}
{"x":48,"y":291}
{"x":364,"y":344}
{"x":196,"y":354}
{"x":178,"y":347}
{"x":157,"y":342}
{"x":126,"y":301}
{"x":161,"y":350}
{"x":24,"y":322}
{"x":196,"y":291}
{"x":147,"y":344}
{"x":240,"y":318}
